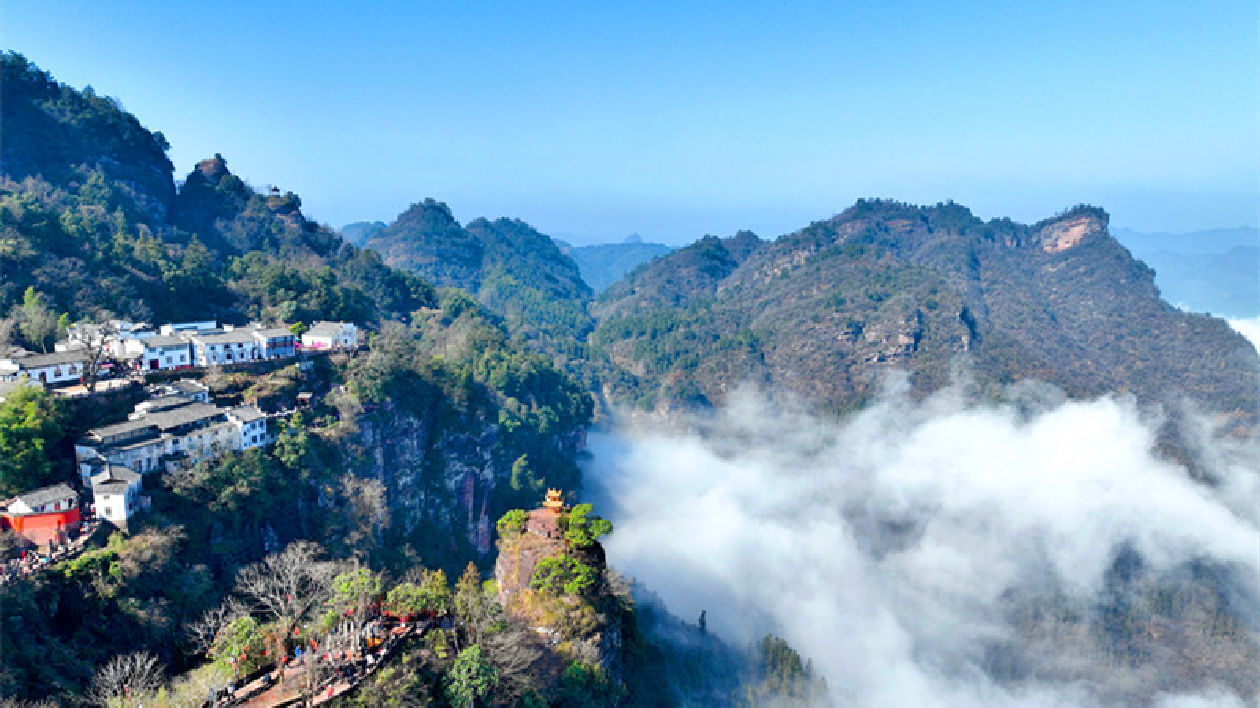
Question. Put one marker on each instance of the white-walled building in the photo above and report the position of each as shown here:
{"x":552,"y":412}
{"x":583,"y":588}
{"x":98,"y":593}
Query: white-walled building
{"x":116,"y":494}
{"x":331,"y":335}
{"x":169,"y":432}
{"x":56,"y":368}
{"x":202,"y":326}
{"x":232,"y":347}
{"x":276,"y":342}
{"x":252,"y":424}
{"x":159,"y":353}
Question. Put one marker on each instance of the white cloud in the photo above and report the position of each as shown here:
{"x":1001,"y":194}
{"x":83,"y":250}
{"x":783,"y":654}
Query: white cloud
{"x":887,"y":548}
{"x":1249,"y":328}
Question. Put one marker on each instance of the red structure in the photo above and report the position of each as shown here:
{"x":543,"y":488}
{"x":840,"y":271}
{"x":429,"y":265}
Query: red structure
{"x":45,"y":516}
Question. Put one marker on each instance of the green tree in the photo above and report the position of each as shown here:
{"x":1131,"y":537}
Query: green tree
{"x":404,"y":599}
{"x":31,"y":423}
{"x":562,"y":574}
{"x":36,"y":321}
{"x":354,"y":593}
{"x":435,"y":592}
{"x":240,"y":644}
{"x":63,"y":325}
{"x":587,"y":686}
{"x":522,"y":477}
{"x":512,"y":523}
{"x":470,"y":600}
{"x":471,"y":678}
{"x":582,"y":528}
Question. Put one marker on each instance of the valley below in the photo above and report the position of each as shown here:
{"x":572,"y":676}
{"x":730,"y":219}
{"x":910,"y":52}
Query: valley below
{"x":952,"y":551}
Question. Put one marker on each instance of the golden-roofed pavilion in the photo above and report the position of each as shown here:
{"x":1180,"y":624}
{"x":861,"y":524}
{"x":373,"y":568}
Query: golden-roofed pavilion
{"x":554,"y":501}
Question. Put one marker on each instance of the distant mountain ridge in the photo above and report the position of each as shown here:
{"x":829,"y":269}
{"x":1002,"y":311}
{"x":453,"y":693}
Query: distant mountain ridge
{"x":885,"y":285}
{"x":1202,"y":242}
{"x":606,"y":263}
{"x":1216,"y":270}
{"x":360,"y":231}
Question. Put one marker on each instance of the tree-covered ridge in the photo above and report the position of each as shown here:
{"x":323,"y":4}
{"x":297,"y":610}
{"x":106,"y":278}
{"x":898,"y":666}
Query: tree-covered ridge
{"x":59,"y":134}
{"x":823,"y":311}
{"x":90,"y":218}
{"x":680,"y":278}
{"x":517,"y":272}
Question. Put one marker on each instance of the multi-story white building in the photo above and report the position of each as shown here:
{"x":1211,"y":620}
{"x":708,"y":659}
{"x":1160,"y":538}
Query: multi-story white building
{"x":159,"y":353}
{"x":252,"y":424}
{"x":234,"y":347}
{"x":169,"y":432}
{"x":276,"y":342}
{"x":116,"y":494}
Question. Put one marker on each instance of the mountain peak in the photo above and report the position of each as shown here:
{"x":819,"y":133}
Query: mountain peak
{"x":212,"y":168}
{"x":1068,"y":230}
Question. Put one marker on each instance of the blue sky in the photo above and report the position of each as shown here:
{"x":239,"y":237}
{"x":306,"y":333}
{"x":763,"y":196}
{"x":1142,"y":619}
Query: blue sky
{"x":677,"y":119}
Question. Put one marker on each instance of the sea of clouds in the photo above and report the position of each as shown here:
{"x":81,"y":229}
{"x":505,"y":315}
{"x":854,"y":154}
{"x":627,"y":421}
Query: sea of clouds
{"x":892,"y":547}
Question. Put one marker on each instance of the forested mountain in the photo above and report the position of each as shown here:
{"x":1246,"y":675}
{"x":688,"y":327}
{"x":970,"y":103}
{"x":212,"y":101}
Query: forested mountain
{"x":92,"y":220}
{"x":518,"y":273}
{"x":359,"y":232}
{"x":884,"y":285}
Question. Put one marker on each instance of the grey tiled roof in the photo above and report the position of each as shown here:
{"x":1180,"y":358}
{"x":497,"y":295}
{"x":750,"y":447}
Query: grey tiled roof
{"x":189,"y":386}
{"x":115,"y":479}
{"x":247,"y":413}
{"x":239,"y":335}
{"x":165,"y":419}
{"x":165,"y":341}
{"x":123,"y":428}
{"x":56,"y":358}
{"x":42,"y":496}
{"x":183,"y":415}
{"x":325,"y":329}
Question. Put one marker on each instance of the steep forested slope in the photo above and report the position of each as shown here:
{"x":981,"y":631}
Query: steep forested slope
{"x":825,"y":310}
{"x":445,"y":422}
{"x":518,"y":273}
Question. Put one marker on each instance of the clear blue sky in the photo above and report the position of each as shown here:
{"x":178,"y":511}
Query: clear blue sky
{"x":676,"y":119}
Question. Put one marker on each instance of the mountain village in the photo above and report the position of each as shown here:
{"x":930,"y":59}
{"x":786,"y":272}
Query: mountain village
{"x":174,"y":426}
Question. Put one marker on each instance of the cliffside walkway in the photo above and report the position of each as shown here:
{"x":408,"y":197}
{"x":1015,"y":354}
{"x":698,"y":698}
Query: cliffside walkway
{"x":339,"y":676}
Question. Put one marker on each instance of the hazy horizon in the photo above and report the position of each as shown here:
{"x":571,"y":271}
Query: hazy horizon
{"x":673,"y":122}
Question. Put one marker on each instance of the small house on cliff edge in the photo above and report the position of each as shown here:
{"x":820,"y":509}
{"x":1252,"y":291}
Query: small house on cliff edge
{"x":45,"y":517}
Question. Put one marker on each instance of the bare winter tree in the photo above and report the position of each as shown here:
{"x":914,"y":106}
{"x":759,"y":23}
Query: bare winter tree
{"x":203,"y":632}
{"x":96,"y":345}
{"x":126,"y":675}
{"x":288,"y":585}
{"x":517,"y":654}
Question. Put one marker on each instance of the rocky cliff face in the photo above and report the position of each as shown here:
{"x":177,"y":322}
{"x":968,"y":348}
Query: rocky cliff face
{"x":581,"y":626}
{"x":440,"y":476}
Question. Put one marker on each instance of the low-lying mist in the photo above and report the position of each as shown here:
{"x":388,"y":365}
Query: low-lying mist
{"x":1030,"y":551}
